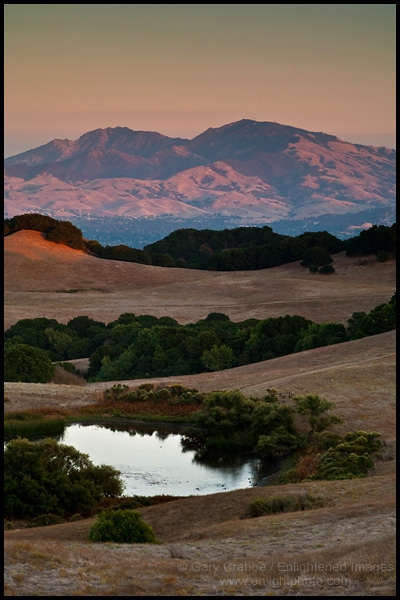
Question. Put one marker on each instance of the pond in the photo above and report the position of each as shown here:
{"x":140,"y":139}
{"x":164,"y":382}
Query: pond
{"x":152,"y":460}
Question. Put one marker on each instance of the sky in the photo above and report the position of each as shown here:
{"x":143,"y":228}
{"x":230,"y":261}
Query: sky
{"x":181,"y":68}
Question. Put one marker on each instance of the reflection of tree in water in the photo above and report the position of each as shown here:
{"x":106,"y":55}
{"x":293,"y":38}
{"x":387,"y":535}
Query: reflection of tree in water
{"x":227,"y":459}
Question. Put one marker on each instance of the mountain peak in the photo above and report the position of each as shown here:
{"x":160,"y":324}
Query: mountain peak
{"x":255,"y":170}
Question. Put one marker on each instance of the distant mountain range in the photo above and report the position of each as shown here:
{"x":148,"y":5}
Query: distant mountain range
{"x":252,"y":172}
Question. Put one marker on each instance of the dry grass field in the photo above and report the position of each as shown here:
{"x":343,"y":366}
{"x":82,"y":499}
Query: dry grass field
{"x":207,"y":547}
{"x":45,"y":279}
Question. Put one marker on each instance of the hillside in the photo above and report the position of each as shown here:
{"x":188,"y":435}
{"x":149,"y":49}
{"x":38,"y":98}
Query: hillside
{"x":207,"y":546}
{"x":45,"y":279}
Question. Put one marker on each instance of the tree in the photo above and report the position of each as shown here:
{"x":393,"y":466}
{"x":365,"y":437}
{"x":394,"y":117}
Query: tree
{"x":47,"y":477}
{"x":316,"y":256}
{"x":315,"y":408}
{"x":27,"y":364}
{"x":218,"y":358}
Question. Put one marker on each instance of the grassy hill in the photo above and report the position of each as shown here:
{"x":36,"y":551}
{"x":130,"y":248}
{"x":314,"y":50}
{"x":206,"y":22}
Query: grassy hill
{"x":207,"y":546}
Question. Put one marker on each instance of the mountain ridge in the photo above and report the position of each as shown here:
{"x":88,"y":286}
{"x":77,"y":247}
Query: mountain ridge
{"x":255,"y":171}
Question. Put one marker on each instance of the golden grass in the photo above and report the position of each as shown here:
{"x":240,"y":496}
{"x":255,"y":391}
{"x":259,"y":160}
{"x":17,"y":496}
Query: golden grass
{"x":36,"y":268}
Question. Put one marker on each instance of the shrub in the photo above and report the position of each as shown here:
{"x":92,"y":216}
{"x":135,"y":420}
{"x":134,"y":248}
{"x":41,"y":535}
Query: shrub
{"x":316,"y":256}
{"x":27,"y":364}
{"x":123,"y":527}
{"x":351,"y":457}
{"x":327,"y":270}
{"x":48,"y":519}
{"x":383,"y":256}
{"x":270,"y":506}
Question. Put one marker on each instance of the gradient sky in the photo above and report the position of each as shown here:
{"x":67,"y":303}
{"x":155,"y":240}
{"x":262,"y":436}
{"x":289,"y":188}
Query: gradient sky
{"x":181,"y":68}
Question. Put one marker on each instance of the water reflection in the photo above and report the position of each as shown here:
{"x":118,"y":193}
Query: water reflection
{"x":152,"y":460}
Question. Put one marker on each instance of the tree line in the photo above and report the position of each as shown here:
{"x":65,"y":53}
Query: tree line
{"x":141,"y":346}
{"x":242,"y":248}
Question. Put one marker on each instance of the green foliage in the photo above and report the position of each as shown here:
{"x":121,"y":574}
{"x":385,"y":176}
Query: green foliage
{"x":47,"y":477}
{"x":317,"y":409}
{"x":63,"y":232}
{"x":43,"y":520}
{"x":241,"y":248}
{"x":122,"y":527}
{"x":229,"y":419}
{"x":27,"y":364}
{"x":135,"y":347}
{"x":171,"y":394}
{"x":321,"y":334}
{"x":380,"y":319}
{"x":218,"y":358}
{"x":260,"y":507}
{"x":316,"y":256}
{"x":351,"y":457}
{"x":31,"y":425}
{"x":327,"y":270}
{"x":373,"y":240}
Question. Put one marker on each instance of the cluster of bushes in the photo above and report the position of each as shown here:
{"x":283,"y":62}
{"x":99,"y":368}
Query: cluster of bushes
{"x":134,"y":347}
{"x":260,"y":507}
{"x":332,"y":456}
{"x":230,"y":421}
{"x":46,"y":477}
{"x":147,"y":392}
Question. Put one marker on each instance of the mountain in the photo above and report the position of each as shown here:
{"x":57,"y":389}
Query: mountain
{"x":254,"y":172}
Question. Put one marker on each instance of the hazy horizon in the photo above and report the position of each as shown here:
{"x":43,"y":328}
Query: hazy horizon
{"x":179,"y":69}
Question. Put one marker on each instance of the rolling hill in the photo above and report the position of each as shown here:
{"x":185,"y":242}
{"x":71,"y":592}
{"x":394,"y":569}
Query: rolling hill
{"x":207,"y":546}
{"x":45,"y":279}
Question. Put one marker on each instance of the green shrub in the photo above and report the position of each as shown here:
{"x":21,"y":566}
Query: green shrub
{"x":49,"y":519}
{"x":316,"y":255}
{"x":383,"y":256}
{"x":76,"y":517}
{"x":276,"y":504}
{"x":123,"y":527}
{"x":351,"y":458}
{"x":327,"y":270}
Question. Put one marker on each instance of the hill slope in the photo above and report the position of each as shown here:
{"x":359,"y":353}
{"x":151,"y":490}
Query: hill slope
{"x":45,"y":279}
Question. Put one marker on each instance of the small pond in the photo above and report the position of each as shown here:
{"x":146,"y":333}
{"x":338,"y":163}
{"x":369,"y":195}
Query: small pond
{"x":152,"y":460}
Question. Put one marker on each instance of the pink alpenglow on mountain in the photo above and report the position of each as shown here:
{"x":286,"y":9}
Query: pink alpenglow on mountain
{"x":255,"y":171}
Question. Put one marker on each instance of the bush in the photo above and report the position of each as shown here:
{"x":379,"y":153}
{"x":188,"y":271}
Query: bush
{"x":270,"y":506}
{"x":316,"y":256}
{"x":326,"y":270}
{"x":49,"y":519}
{"x":123,"y":527}
{"x":383,"y":256}
{"x":27,"y":364}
